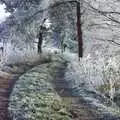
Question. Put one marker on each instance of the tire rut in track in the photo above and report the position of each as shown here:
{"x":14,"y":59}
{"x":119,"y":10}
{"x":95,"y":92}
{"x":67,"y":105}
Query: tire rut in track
{"x":78,"y":109}
{"x":6,"y":84}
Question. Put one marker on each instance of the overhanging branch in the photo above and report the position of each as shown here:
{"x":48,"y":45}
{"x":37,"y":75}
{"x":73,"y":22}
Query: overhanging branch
{"x":51,"y":6}
{"x":108,"y":40}
{"x":105,"y":13}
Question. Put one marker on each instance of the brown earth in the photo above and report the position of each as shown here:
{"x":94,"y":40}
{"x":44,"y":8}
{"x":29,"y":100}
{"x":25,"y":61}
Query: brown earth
{"x":8,"y":78}
{"x":6,"y":82}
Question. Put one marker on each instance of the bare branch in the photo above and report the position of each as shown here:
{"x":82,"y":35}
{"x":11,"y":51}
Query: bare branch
{"x":105,"y":13}
{"x":51,"y":6}
{"x":112,"y":41}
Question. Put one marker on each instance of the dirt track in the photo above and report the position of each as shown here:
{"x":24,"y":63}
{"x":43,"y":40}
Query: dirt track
{"x":6,"y":83}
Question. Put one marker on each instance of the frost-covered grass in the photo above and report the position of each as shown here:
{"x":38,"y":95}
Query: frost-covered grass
{"x":102,"y":74}
{"x":13,"y":56}
{"x":86,"y":70}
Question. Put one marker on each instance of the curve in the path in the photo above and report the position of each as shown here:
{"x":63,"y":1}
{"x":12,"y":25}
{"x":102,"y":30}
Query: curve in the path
{"x":78,"y":110}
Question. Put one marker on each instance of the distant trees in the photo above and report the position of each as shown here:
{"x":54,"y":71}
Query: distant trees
{"x":12,"y":5}
{"x":28,"y":14}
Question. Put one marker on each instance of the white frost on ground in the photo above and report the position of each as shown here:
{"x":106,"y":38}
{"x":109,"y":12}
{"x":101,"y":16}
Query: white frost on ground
{"x":85,"y":70}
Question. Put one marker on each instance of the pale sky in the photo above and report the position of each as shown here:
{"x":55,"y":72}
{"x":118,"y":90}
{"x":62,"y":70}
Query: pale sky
{"x":3,"y":14}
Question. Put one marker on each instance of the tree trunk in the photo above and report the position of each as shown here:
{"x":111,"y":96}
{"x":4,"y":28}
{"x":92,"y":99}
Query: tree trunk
{"x":40,"y":43}
{"x":79,"y":32}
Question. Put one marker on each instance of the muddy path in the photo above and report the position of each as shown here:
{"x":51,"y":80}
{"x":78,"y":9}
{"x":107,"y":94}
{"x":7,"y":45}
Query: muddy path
{"x":8,"y":76}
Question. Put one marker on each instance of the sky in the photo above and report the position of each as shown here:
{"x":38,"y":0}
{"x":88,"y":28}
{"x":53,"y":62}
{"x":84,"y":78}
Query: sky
{"x":3,"y":14}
